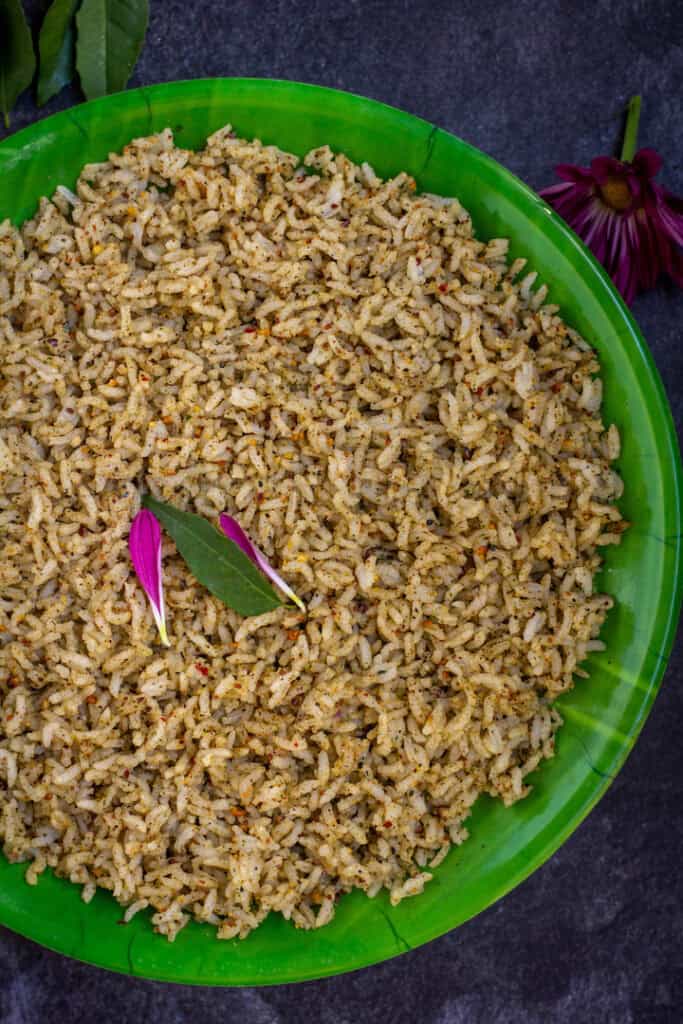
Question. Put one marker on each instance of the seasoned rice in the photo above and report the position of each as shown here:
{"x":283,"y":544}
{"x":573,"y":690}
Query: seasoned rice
{"x":407,"y":430}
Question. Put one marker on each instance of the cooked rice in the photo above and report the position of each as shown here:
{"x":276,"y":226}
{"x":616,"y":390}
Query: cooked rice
{"x":404,"y":427}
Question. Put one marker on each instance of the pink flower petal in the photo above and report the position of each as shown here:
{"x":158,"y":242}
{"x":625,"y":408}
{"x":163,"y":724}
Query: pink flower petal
{"x":144,"y":544}
{"x":598,"y":232}
{"x":651,"y":263}
{"x":562,"y":188}
{"x":668,"y":211}
{"x":570,"y":172}
{"x":234,"y":532}
{"x":647,"y":162}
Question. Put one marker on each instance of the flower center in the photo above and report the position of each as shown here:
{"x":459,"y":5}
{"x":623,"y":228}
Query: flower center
{"x":616,"y":193}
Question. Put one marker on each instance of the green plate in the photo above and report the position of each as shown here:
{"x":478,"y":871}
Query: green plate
{"x":603,"y":715}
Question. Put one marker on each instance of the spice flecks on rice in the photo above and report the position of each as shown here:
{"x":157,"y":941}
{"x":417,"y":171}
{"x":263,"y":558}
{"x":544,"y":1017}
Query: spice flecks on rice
{"x":406,"y":431}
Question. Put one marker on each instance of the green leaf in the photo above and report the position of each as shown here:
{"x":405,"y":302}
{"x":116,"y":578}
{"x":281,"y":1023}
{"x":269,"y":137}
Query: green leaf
{"x":56,"y":46}
{"x":110,"y":37}
{"x":17,"y":59}
{"x":215,"y":560}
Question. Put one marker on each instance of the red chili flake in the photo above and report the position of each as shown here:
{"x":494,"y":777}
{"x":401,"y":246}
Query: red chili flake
{"x":557,"y":386}
{"x":480,"y":391}
{"x":250,"y":330}
{"x":388,"y":824}
{"x":260,"y":497}
{"x":91,"y":699}
{"x":202,"y":668}
{"x":126,"y":772}
{"x":443,"y":288}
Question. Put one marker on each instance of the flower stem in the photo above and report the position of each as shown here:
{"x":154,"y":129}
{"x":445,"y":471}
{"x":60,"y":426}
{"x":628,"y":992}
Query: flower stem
{"x":628,"y":148}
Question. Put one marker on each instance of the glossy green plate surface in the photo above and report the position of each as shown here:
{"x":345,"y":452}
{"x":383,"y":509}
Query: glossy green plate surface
{"x":603,"y":715}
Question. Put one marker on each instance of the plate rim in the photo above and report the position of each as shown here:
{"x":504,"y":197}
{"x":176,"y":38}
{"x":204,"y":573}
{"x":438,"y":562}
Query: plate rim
{"x":26,"y":136}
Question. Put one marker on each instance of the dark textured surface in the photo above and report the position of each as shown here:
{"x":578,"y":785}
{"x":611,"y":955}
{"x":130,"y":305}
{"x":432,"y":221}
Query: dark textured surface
{"x":596,"y":935}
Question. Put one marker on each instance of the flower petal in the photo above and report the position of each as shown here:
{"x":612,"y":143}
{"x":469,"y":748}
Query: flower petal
{"x":144,"y":544}
{"x":650,"y":262}
{"x":573,"y":173}
{"x":232,"y":529}
{"x":234,"y":532}
{"x":647,"y":162}
{"x":626,"y":276}
{"x":667,"y":209}
{"x":565,"y":190}
{"x":597,"y":232}
{"x":576,"y":206}
{"x":561,"y":188}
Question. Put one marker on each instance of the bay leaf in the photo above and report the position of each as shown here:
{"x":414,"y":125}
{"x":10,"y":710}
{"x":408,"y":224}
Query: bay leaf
{"x":215,"y":561}
{"x":110,"y":34}
{"x":56,"y":49}
{"x":17,"y":57}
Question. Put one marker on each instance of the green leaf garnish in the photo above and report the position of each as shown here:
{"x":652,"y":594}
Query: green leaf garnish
{"x":110,"y":37}
{"x":17,"y":59}
{"x":56,"y":46}
{"x":216,"y":561}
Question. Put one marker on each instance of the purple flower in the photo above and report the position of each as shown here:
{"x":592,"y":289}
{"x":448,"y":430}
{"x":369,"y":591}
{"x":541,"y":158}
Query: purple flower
{"x":144,"y":544}
{"x":632,"y":225}
{"x":232,"y":529}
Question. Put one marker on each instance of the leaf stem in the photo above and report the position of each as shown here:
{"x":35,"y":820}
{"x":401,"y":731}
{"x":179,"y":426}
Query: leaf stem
{"x":628,"y":148}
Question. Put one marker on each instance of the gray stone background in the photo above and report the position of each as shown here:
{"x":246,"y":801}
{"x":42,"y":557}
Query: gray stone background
{"x":596,"y":935}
